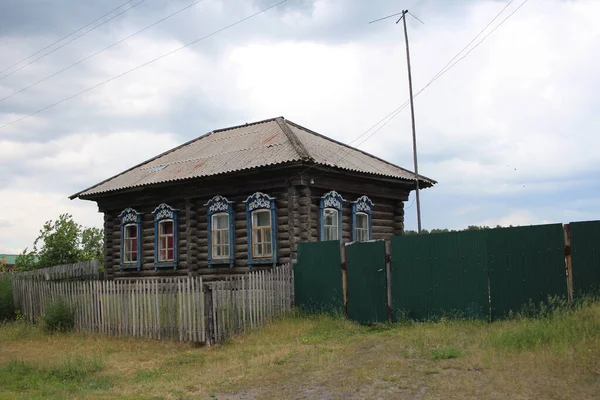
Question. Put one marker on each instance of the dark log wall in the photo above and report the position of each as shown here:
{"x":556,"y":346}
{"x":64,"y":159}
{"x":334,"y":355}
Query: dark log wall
{"x":298,"y":220}
{"x":387,"y":217}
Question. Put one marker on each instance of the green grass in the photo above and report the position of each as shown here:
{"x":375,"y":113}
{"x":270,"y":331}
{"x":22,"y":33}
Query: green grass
{"x":445,"y":353}
{"x":554,"y":356}
{"x":69,"y":375}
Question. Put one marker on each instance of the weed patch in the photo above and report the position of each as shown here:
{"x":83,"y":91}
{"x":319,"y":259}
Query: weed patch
{"x":70,"y":375}
{"x":445,"y":353}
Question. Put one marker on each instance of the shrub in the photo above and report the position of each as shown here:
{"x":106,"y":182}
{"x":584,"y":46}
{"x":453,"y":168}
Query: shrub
{"x":7,"y":307}
{"x":59,"y":317}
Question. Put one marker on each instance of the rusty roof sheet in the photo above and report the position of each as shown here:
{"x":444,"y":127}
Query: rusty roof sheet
{"x":260,"y":144}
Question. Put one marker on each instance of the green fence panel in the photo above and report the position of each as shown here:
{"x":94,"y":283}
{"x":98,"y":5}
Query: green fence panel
{"x":318,"y":277}
{"x":440,"y":274}
{"x":366,"y":281}
{"x":525,"y":263}
{"x":585,"y":256}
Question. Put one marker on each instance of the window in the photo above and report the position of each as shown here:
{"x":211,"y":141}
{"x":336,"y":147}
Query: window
{"x":330,"y":222}
{"x":131,"y":243}
{"x":165,"y":241}
{"x":362,"y":227}
{"x":165,"y":237}
{"x":262,"y":246}
{"x":262,"y":229}
{"x":362,"y":211}
{"x":331,"y":216}
{"x":220,"y":236}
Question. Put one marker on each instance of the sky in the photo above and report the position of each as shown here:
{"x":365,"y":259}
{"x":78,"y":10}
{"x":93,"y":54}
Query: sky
{"x":510,"y":132}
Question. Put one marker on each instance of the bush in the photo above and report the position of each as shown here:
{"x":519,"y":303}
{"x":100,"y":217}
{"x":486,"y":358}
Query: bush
{"x":7,"y":307}
{"x":59,"y":317}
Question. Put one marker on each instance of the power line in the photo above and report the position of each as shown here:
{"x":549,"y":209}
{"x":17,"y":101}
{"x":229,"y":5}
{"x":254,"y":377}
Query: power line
{"x":388,"y":118}
{"x":70,"y":41}
{"x":64,"y":37}
{"x":446,"y":68}
{"x":144,"y":64}
{"x":100,"y":51}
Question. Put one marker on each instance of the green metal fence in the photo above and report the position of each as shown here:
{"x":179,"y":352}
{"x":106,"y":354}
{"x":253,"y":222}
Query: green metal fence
{"x":318,"y":277}
{"x":475,"y":274}
{"x":585,"y":256}
{"x":366,"y":280}
{"x":440,"y":274}
{"x":525,"y":264}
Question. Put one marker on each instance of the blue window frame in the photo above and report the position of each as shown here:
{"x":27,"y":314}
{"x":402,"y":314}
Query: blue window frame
{"x":331,"y":205}
{"x":165,"y":237}
{"x":262,"y":229}
{"x":362,"y":219}
{"x":131,"y":239}
{"x":221,"y":239}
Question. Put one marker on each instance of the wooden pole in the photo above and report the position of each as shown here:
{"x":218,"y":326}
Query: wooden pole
{"x":412,"y":114}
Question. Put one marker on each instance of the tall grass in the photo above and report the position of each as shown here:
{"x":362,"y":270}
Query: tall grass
{"x":554,"y":327}
{"x":70,"y":374}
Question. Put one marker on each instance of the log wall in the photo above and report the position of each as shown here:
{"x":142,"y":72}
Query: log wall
{"x":297,"y":210}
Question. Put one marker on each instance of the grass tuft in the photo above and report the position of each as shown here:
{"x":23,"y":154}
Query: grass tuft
{"x":445,"y":353}
{"x":80,"y":373}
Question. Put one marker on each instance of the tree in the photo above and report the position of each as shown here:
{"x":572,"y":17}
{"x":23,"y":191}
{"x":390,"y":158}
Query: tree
{"x":92,"y":244}
{"x":26,"y":261}
{"x":62,"y":242}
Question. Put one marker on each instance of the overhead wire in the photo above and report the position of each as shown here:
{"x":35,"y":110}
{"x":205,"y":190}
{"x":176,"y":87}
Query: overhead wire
{"x":66,"y":36}
{"x":144,"y":64}
{"x":388,"y":118}
{"x":68,"y":42}
{"x":99,"y":51}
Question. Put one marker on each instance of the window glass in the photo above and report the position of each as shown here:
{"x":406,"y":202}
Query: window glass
{"x":220,"y":236}
{"x":261,"y":234}
{"x":130,"y":244}
{"x":165,"y":241}
{"x":362,"y":227}
{"x":330,"y":224}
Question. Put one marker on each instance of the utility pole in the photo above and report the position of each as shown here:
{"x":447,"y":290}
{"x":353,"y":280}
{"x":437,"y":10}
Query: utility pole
{"x":412,"y":106}
{"x":412,"y":114}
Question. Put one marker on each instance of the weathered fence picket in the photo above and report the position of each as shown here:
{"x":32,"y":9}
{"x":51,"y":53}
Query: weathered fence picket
{"x":159,"y":308}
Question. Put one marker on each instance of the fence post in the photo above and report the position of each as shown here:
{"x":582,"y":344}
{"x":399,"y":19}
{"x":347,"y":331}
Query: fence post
{"x":344,"y":279}
{"x":208,"y":314}
{"x":388,"y":275}
{"x":568,"y":262}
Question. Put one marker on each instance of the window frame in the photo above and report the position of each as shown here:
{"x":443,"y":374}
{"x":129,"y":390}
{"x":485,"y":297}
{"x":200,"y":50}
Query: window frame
{"x":164,"y":213}
{"x":215,"y":206}
{"x":362,"y":205}
{"x":261,"y":202}
{"x":129,"y":217}
{"x":166,"y":235}
{"x":331,"y":200}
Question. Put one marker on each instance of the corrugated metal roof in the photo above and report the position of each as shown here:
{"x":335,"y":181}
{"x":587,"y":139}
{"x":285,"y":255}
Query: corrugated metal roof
{"x":260,"y":144}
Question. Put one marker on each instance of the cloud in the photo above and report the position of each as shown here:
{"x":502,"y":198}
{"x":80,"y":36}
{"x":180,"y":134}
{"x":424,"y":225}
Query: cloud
{"x":509,"y":132}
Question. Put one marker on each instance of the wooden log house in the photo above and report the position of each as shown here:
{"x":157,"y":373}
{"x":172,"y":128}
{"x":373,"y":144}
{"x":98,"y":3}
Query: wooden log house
{"x":242,"y":198}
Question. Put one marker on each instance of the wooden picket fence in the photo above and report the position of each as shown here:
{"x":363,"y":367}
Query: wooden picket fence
{"x":241,"y":303}
{"x":183,"y":308}
{"x":77,"y":271}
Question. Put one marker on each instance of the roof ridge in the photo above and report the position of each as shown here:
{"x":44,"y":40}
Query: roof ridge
{"x":246,"y":124}
{"x":294,"y":140}
{"x":421,"y":177}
